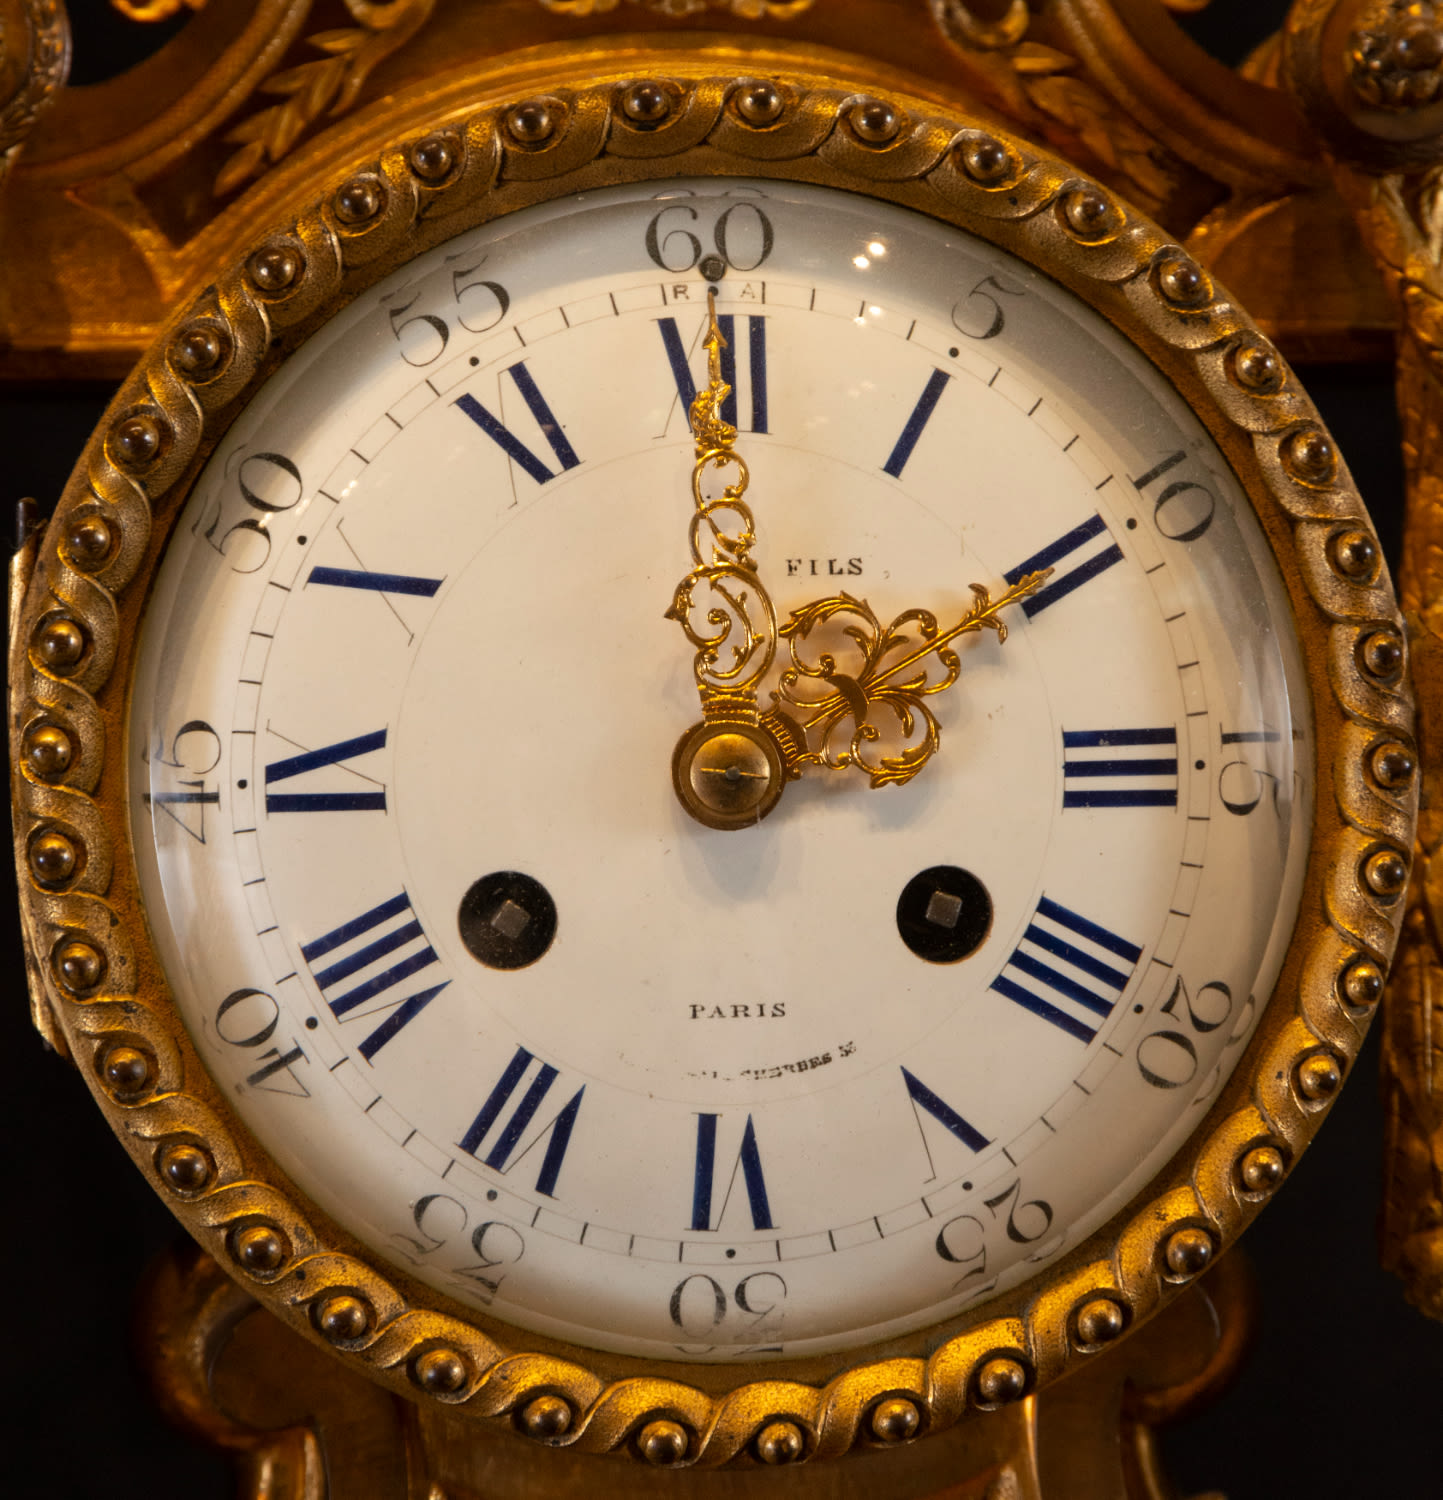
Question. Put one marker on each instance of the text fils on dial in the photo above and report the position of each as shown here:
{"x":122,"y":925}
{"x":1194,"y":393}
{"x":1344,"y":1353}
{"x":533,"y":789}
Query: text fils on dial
{"x":503,"y":1152}
{"x":756,"y":367}
{"x":352,"y":948}
{"x":508,"y":442}
{"x":1064,"y":965}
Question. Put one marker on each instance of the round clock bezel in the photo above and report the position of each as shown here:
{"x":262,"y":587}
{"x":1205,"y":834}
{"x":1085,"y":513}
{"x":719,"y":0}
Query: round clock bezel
{"x":72,"y":656}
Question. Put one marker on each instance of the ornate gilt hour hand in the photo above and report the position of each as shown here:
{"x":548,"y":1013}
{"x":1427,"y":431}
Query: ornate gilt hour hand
{"x":730,"y":769}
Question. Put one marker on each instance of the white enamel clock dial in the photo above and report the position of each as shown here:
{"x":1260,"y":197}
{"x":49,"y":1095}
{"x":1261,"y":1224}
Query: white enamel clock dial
{"x":441,"y":928}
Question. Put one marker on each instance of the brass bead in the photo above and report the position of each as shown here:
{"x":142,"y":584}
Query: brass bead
{"x":780,"y":1443}
{"x":1362,"y":982}
{"x":1188,"y":1252}
{"x":441,"y":1372}
{"x":1183,"y":282}
{"x":48,"y":750}
{"x":895,"y":1420}
{"x":1319,"y":1076}
{"x":1309,"y":455}
{"x":358,"y":200}
{"x":126,"y":1070}
{"x":1392,"y":766}
{"x":1099,"y":1322}
{"x":1353,"y":554}
{"x":531,"y":123}
{"x":662,"y":1443}
{"x":1089,"y":213}
{"x":79,"y":965}
{"x":1257,"y":368}
{"x":433,"y":157}
{"x":874,"y":122}
{"x":197,"y":349}
{"x":260,"y":1248}
{"x":1382,"y":655}
{"x":1386,"y":874}
{"x":1001,"y":1380}
{"x":342,"y":1318}
{"x":546,"y":1417}
{"x":58,"y":643}
{"x":1261,"y":1169}
{"x":135,"y":440}
{"x":88,"y":540}
{"x":273,"y":268}
{"x":185,"y":1167}
{"x":54,"y":857}
{"x":646,"y":103}
{"x":760,"y":103}
{"x":987,"y":161}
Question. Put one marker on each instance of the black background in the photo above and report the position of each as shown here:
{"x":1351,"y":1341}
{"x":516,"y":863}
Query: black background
{"x":1340,"y":1399}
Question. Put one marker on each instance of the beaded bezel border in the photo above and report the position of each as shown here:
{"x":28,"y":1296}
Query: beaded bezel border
{"x":70,"y":667}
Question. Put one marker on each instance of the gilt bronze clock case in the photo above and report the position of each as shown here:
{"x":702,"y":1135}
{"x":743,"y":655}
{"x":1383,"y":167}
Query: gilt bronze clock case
{"x":560,"y":121}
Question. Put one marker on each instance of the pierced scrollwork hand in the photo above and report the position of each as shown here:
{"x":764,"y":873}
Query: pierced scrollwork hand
{"x":729,"y":770}
{"x":842,"y":708}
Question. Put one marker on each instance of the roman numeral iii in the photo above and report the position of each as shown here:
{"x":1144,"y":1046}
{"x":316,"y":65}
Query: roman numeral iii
{"x":1119,"y":767}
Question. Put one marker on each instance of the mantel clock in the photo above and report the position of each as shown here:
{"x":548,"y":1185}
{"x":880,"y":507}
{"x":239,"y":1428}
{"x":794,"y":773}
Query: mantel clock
{"x":711,"y":763}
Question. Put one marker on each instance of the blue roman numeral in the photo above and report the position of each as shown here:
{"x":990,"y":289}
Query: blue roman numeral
{"x":315,"y":760}
{"x":349,"y":956}
{"x":756,"y":366}
{"x":508,"y":442}
{"x":1092,"y":561}
{"x":503,"y":1147}
{"x":923,"y":1098}
{"x":748,"y":1162}
{"x":379,"y":583}
{"x":1069,"y":975}
{"x":1126,"y":758}
{"x":921,"y":415}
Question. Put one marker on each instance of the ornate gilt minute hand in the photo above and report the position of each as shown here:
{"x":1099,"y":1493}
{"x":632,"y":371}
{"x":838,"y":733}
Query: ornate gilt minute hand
{"x":730,"y":769}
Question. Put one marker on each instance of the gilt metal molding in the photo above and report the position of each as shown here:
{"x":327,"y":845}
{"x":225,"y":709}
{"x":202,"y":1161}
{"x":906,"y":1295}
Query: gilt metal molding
{"x":70,"y":662}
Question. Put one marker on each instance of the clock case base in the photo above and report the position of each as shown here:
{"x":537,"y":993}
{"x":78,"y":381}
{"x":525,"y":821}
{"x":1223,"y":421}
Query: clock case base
{"x":303,"y":1426}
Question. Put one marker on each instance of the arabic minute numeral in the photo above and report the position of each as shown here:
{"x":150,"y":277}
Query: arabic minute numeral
{"x":1182,"y":510}
{"x":1167,"y":1058}
{"x":979,"y":314}
{"x":1241,"y":784}
{"x":699,"y":1304}
{"x":194,"y":747}
{"x":266,"y":484}
{"x":742,"y":234}
{"x":248,"y":1018}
